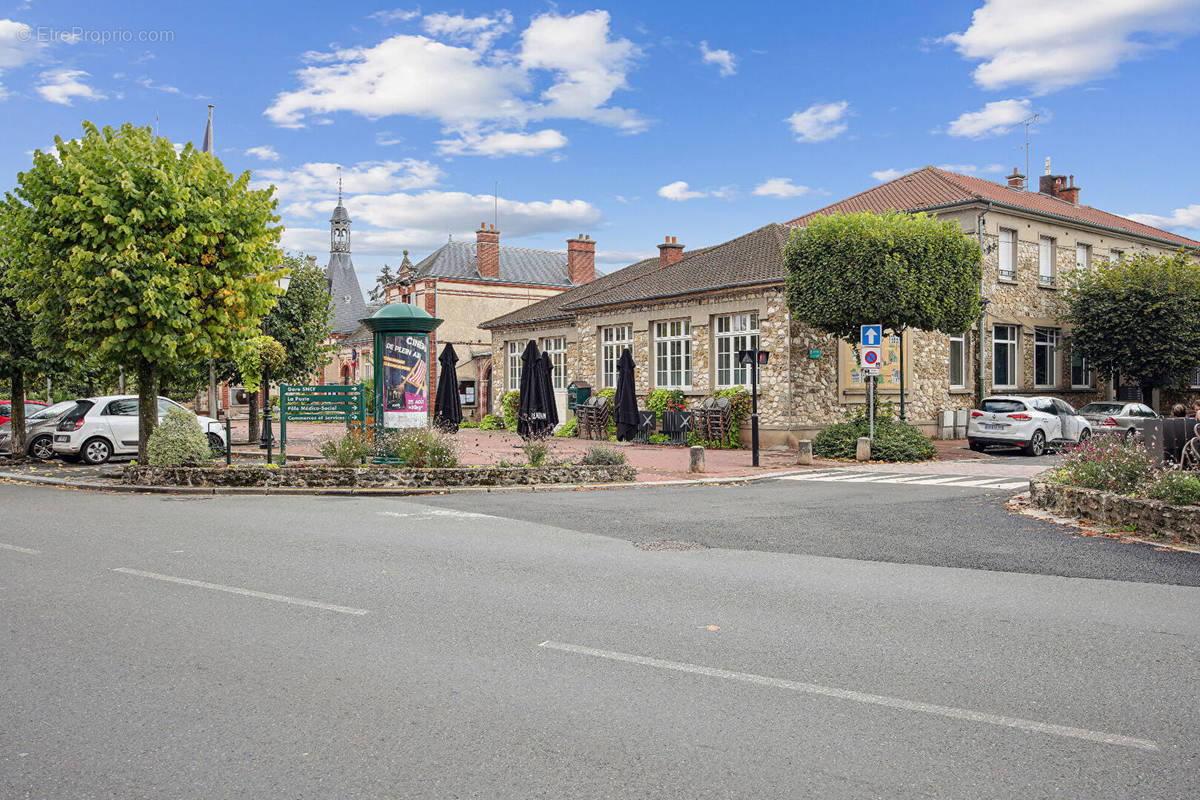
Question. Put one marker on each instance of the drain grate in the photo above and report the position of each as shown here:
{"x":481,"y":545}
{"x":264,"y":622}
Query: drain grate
{"x":669,"y":544}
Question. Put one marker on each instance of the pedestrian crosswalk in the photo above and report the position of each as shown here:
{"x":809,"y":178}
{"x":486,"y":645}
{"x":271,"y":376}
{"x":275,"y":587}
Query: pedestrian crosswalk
{"x":912,"y":479}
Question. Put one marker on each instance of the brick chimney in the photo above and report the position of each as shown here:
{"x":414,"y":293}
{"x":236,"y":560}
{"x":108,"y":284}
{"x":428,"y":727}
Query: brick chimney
{"x":1057,"y":186}
{"x":487,"y":251}
{"x":1016,"y":180}
{"x":1070,"y":193}
{"x":669,"y":252}
{"x":581,"y":260}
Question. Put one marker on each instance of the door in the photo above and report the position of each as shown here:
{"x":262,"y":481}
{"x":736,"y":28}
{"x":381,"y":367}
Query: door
{"x":1068,"y":420}
{"x":1048,"y":418}
{"x":121,"y":418}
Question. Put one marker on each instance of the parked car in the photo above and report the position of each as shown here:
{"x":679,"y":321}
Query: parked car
{"x":1114,"y":416}
{"x":1032,"y":423}
{"x":39,"y":431}
{"x":31,"y":407}
{"x":98,"y":428}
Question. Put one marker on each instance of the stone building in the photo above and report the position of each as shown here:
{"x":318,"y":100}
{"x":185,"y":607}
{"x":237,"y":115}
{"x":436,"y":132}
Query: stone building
{"x":466,"y":283}
{"x":685,"y":314}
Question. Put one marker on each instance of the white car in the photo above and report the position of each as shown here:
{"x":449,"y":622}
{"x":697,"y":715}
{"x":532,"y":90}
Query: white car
{"x":1032,"y":423}
{"x":98,"y":428}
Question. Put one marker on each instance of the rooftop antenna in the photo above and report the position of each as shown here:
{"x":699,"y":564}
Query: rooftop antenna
{"x":1028,"y":122}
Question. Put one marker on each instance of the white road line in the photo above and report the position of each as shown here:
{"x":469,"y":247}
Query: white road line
{"x":810,"y":476}
{"x":862,"y":697}
{"x":936,"y":481}
{"x":279,"y":598}
{"x":844,"y":476}
{"x":905,"y":478}
{"x":989,"y":483}
{"x":29,"y":551}
{"x":431,"y":513}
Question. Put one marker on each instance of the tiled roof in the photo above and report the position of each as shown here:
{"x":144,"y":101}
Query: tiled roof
{"x":930,"y":188}
{"x":753,"y":259}
{"x":517,"y":265}
{"x":344,"y":292}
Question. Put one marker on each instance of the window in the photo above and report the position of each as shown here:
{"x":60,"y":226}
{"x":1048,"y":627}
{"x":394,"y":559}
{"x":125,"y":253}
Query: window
{"x":673,"y":354}
{"x":1046,"y":248}
{"x":514,"y":366}
{"x":612,"y":341}
{"x":1045,"y":352}
{"x":1008,"y":254}
{"x":735,"y":332}
{"x":1081,"y":373}
{"x":1003,"y":406}
{"x":1115,"y":255}
{"x":556,"y":348}
{"x":122,"y":408}
{"x":958,"y":362}
{"x":1083,"y":256}
{"x":1004,"y":356}
{"x":466,"y":393}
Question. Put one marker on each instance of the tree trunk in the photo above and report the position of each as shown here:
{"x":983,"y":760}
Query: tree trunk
{"x":18,"y":416}
{"x":252,"y":425}
{"x":147,"y":407}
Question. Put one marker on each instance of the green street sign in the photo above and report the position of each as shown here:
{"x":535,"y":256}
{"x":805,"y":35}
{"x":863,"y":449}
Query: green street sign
{"x":814,"y":354}
{"x":323,"y":403}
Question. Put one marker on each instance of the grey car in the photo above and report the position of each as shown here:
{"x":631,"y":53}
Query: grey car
{"x":39,"y":431}
{"x":1114,"y":416}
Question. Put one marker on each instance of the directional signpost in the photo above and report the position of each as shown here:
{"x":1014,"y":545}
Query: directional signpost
{"x":333,"y":402}
{"x":870,"y":349}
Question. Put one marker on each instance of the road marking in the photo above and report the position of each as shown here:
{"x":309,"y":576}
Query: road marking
{"x":863,"y":697}
{"x":989,"y":483}
{"x":934,"y":481}
{"x":904,"y":478}
{"x":431,"y":513}
{"x":279,"y":598}
{"x":29,"y":551}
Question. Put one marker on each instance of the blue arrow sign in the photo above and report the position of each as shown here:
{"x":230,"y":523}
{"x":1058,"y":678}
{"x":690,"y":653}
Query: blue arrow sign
{"x":870,"y":335}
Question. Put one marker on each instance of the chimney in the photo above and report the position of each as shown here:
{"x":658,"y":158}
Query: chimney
{"x":669,"y":252}
{"x":1070,"y":193}
{"x":1056,"y":186}
{"x":487,"y":251}
{"x":581,"y":260}
{"x":1016,"y":180}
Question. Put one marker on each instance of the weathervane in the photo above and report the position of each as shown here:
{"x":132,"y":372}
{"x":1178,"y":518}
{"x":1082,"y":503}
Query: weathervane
{"x":339,"y":185}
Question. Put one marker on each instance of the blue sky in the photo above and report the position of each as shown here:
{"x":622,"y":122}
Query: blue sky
{"x":627,"y":121}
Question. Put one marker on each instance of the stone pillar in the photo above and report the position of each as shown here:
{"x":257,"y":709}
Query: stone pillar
{"x":863,"y":452}
{"x":804,"y":452}
{"x":697,"y":461}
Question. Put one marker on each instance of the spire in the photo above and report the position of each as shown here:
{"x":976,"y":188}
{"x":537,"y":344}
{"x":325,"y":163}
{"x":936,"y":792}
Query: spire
{"x":339,"y":224}
{"x":207,"y":146}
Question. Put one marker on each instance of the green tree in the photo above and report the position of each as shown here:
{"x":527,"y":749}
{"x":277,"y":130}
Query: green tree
{"x":141,"y":255}
{"x":1138,"y":318}
{"x":904,"y":271}
{"x":302,"y":321}
{"x":385,"y":279}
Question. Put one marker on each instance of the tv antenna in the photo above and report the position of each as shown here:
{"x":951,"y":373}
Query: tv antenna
{"x":1028,"y":122}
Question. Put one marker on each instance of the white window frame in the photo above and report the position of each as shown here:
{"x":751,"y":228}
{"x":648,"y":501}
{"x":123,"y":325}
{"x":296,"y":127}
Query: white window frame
{"x":1086,"y":369}
{"x":1083,"y":256}
{"x":734,"y":332}
{"x":613,"y":339}
{"x":556,"y":348}
{"x":1115,"y":255}
{"x":673,"y":354}
{"x":513,"y":373}
{"x":1008,"y":254}
{"x":1045,"y":346}
{"x":1047,"y":255}
{"x":961,"y":361}
{"x":1012,"y":362}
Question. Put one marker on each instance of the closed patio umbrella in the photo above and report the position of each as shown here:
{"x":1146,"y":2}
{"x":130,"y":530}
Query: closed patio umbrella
{"x":546,"y":373}
{"x":626,"y":399}
{"x":531,"y":410}
{"x":447,"y":410}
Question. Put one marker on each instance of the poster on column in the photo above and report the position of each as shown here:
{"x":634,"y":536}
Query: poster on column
{"x":405,"y":380}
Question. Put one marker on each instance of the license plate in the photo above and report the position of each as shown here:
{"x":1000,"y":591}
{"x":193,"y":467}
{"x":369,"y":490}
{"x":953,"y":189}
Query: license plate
{"x":993,"y":427}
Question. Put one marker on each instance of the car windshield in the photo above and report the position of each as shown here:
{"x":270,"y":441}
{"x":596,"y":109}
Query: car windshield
{"x":1102,"y":408}
{"x":54,"y":410}
{"x":1002,"y":406}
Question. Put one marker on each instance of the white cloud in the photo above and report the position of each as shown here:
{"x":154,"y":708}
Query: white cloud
{"x":1180,"y":219}
{"x":503,"y":143}
{"x":1053,"y":45}
{"x":264,"y":152}
{"x":889,"y":174}
{"x":622,"y":257}
{"x":62,"y":85}
{"x":680,"y":191}
{"x":17,"y":47}
{"x":971,"y":169}
{"x":819,"y":122}
{"x":311,"y":189}
{"x":158,"y":87}
{"x":993,"y":119}
{"x":395,"y":15}
{"x":474,"y":91}
{"x":726,"y":61}
{"x":387,"y":138}
{"x":780,"y":187}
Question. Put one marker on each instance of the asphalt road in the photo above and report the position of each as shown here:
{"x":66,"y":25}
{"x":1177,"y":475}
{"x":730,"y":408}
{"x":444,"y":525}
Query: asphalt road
{"x":307,"y":647}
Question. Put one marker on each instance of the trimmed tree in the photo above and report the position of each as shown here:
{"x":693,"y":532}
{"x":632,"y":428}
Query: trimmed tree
{"x":142,"y":255}
{"x":904,"y":271}
{"x":1160,"y":296}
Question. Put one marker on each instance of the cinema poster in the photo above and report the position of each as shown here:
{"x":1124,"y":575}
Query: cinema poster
{"x":405,"y":380}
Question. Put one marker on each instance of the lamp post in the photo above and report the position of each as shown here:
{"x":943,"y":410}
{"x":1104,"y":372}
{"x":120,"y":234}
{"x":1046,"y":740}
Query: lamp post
{"x":268,"y":438}
{"x":753,"y":358}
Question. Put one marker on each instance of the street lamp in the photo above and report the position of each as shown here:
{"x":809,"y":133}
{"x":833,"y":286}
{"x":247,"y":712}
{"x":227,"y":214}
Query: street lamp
{"x":268,"y":438}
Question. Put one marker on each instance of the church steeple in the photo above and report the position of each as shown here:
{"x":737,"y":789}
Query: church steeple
{"x":339,"y":224}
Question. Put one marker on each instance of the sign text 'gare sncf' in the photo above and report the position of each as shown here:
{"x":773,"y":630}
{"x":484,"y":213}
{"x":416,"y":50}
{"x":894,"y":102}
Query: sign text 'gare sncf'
{"x":405,"y":380}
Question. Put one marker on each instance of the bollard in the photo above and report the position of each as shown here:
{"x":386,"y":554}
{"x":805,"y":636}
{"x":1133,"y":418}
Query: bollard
{"x":697,"y":462}
{"x":863,"y":453}
{"x":804,"y":452}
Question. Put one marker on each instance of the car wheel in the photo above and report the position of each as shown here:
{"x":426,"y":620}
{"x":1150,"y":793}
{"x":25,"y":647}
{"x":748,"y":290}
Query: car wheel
{"x":216,"y":445}
{"x":96,"y":451}
{"x":42,"y":448}
{"x":1037,"y":444}
{"x":976,"y":446}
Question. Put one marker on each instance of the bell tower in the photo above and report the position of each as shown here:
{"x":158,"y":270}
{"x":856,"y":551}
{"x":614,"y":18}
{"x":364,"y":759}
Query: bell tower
{"x":339,"y":224}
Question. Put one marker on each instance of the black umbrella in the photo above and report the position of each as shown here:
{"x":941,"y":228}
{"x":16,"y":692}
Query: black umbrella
{"x":447,"y":413}
{"x":531,"y":410}
{"x":626,"y":399}
{"x":546,"y":373}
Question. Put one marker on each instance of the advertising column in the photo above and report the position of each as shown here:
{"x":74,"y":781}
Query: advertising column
{"x":405,"y":380}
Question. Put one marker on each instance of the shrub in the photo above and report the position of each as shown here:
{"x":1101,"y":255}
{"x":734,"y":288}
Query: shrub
{"x":536,"y":451}
{"x":491,"y":423}
{"x":568,"y":428}
{"x":1109,"y":464}
{"x":418,"y":447}
{"x":600,"y":456}
{"x":347,"y":450}
{"x":468,"y":423}
{"x":509,"y":403}
{"x":177,"y":440}
{"x":660,"y":400}
{"x":1176,"y":487}
{"x":659,"y":438}
{"x":895,"y":439}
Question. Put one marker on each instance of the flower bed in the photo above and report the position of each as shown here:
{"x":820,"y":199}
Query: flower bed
{"x":1147,"y":517}
{"x":323,"y":477}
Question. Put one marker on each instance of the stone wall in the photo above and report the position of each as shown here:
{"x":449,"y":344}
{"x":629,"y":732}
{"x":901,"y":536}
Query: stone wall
{"x":1149,"y":516}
